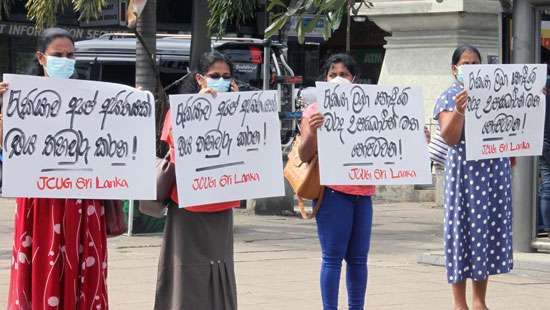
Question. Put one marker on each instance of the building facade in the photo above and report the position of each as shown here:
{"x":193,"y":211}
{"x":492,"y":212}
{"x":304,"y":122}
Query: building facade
{"x":18,"y":35}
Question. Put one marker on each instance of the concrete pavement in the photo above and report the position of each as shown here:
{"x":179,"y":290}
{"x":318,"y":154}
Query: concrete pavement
{"x":278,"y":258}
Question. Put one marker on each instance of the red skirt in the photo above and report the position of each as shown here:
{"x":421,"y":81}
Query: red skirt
{"x":59,"y":256}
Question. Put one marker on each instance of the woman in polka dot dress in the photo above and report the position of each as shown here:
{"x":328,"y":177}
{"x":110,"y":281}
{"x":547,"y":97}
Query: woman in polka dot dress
{"x":478,"y":199}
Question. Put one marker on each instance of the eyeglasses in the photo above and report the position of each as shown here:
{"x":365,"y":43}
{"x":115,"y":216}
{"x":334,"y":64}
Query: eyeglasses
{"x":217,"y":76}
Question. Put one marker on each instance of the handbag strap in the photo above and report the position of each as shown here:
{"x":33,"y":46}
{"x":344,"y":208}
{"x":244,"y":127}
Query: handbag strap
{"x":308,"y":216}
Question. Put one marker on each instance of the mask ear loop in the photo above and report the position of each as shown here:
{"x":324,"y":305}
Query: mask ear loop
{"x":353,"y":80}
{"x":45,"y":66}
{"x":455,"y":72}
{"x":204,"y":79}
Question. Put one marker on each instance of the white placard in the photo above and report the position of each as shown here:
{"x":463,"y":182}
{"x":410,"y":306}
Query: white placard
{"x":227,"y":148}
{"x":372,"y":135}
{"x":505,"y":112}
{"x":77,"y":139}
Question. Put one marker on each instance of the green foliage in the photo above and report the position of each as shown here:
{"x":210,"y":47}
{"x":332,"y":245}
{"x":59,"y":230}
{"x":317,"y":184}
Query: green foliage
{"x":89,"y":9}
{"x":331,"y":12}
{"x":5,"y":6}
{"x":224,"y":12}
{"x":44,"y":12}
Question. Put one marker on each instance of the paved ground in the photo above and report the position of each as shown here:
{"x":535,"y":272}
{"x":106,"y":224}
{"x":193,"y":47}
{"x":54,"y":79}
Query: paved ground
{"x":277,"y":265}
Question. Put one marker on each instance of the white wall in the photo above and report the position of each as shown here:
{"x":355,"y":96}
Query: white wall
{"x":425,"y":33}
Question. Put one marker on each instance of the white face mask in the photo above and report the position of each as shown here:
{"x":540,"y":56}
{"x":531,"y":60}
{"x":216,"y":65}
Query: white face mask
{"x":339,"y":80}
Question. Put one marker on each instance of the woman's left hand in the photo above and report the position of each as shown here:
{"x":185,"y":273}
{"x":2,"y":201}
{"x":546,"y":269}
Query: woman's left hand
{"x":234,"y":86}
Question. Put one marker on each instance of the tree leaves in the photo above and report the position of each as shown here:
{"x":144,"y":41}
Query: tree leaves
{"x":308,"y":13}
{"x":223,"y":12}
{"x":279,"y":23}
{"x":44,"y":12}
{"x":326,"y":28}
{"x":5,"y":6}
{"x":312,"y":23}
{"x":359,"y":4}
{"x":300,"y":32}
{"x":89,"y":9}
{"x":275,"y":3}
{"x":337,"y":17}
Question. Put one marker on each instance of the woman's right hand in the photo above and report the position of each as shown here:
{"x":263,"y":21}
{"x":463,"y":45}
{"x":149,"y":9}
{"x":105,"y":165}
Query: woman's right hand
{"x":208,"y":90}
{"x":452,"y":123}
{"x":427,"y":134}
{"x":308,"y":146}
{"x":3,"y":87}
{"x":316,"y":121}
{"x":461,"y":101}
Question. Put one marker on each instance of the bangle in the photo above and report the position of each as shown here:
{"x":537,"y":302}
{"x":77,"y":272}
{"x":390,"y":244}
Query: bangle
{"x":459,"y":113}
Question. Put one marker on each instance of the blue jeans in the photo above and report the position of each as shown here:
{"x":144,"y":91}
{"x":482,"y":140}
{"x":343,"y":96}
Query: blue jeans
{"x":544,"y":193}
{"x":344,"y":225}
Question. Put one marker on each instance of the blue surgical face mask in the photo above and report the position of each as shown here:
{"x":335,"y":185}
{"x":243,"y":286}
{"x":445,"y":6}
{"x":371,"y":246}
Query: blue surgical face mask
{"x":59,"y":67}
{"x":460,"y":74}
{"x":220,"y":85}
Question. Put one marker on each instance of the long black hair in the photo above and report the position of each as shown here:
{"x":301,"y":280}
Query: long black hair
{"x":342,"y":58}
{"x":189,"y":85}
{"x":47,"y":37}
{"x":210,"y":58}
{"x":463,"y":49}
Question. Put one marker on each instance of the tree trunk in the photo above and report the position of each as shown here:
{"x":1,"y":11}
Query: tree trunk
{"x":200,"y":41}
{"x":147,"y":27}
{"x":348,"y":26}
{"x":146,"y":68}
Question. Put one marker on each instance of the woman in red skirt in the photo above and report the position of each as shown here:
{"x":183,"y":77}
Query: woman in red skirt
{"x":59,"y":256}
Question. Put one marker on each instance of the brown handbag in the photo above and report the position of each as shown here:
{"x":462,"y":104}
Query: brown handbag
{"x":166,"y":179}
{"x":304,"y":179}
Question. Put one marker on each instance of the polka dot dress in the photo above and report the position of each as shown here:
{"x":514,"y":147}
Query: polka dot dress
{"x":478,"y":210}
